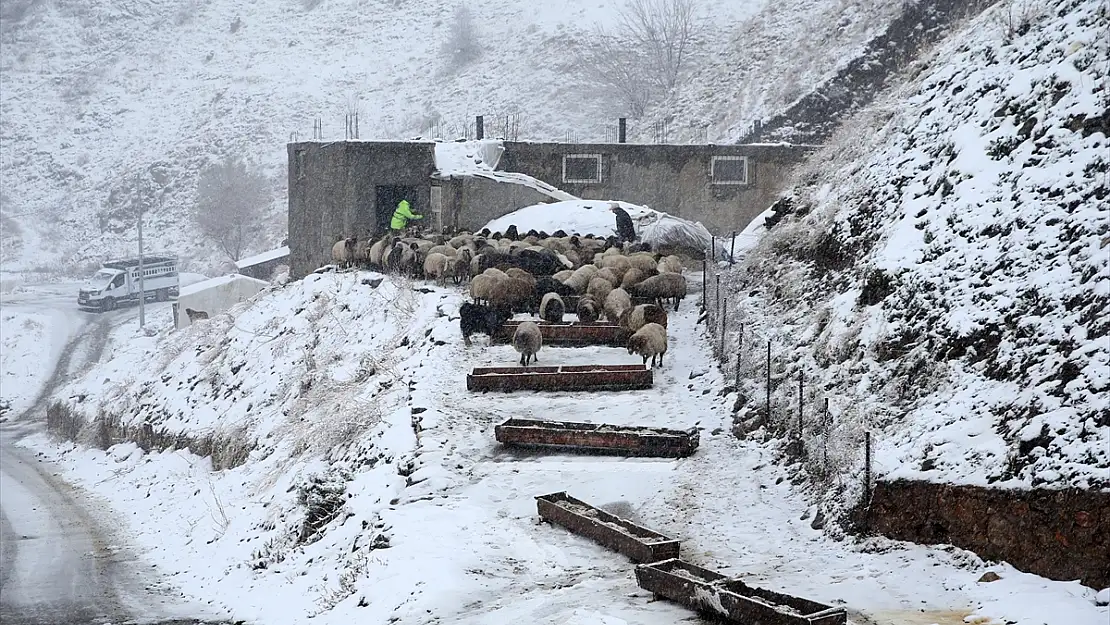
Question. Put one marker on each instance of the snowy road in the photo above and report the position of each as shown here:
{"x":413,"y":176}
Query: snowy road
{"x":58,"y":561}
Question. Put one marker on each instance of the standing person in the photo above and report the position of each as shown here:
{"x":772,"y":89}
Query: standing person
{"x":402,"y":216}
{"x":625,"y":230}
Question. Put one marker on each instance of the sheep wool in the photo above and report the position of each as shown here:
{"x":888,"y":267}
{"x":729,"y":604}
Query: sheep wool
{"x":552,"y":308}
{"x":527,"y":340}
{"x":650,"y":340}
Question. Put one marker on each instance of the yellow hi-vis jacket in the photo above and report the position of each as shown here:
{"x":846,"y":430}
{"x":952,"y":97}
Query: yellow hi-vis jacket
{"x":402,"y":215}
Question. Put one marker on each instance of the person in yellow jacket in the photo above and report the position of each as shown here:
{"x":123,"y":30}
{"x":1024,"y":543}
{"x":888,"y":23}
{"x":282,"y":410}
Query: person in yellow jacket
{"x":402,"y":216}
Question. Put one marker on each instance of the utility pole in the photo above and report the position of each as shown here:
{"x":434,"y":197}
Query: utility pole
{"x":142,"y":291}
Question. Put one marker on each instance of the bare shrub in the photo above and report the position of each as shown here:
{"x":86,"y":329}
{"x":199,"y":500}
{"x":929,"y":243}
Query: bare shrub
{"x":226,"y":450}
{"x":462,"y":45}
{"x":1014,"y":18}
{"x":646,"y":53}
{"x":230,"y":202}
{"x":323,"y":497}
{"x":612,"y":63}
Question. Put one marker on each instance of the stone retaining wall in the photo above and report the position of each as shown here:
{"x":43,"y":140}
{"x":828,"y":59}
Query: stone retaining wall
{"x":1059,"y":534}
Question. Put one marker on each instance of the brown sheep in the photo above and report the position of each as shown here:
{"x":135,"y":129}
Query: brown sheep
{"x":588,"y":309}
{"x":665,"y":286}
{"x":638,"y":316}
{"x":650,"y":340}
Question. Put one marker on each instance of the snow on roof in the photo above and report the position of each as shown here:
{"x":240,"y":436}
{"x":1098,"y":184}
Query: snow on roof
{"x":215,"y":282}
{"x":263,"y":257}
{"x":571,"y":216}
{"x":480,"y":158}
{"x":464,"y":158}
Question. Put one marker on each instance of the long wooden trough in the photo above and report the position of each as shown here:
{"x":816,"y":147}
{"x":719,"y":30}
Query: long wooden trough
{"x":714,"y":594}
{"x":608,"y":530}
{"x":598,"y":438}
{"x":561,"y":378}
{"x":570,"y":334}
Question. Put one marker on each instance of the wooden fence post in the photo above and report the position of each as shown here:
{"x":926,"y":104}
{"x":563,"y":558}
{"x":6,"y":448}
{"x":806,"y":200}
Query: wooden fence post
{"x":704,"y":285}
{"x":732,"y":251}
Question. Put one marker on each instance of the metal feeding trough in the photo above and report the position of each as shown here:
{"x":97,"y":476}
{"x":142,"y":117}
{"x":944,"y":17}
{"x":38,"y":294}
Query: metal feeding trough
{"x":712,"y":593}
{"x":570,"y":334}
{"x":598,"y":438}
{"x":610,"y":531}
{"x":561,"y":378}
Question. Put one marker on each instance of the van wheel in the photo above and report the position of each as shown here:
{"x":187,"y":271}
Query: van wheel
{"x":161,"y":295}
{"x":109,"y":303}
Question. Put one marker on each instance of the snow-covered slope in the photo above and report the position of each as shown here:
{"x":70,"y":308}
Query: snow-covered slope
{"x":102,"y":100}
{"x":943,"y":267}
{"x":377,"y":493}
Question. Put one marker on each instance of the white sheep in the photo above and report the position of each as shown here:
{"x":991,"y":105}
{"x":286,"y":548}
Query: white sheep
{"x":669,"y":264}
{"x":435,"y":268}
{"x":650,"y":340}
{"x":527,"y":340}
{"x":552,"y":308}
{"x":600,"y":287}
{"x":616,"y":303}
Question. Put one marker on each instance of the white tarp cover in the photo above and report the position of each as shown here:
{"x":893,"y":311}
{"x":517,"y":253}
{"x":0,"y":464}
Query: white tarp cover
{"x":593,"y":217}
{"x":216,"y":295}
{"x":263,"y":257}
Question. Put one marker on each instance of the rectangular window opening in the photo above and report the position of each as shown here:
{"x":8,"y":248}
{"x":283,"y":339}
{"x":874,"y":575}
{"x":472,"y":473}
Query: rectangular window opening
{"x":728,"y":170}
{"x":581,"y":168}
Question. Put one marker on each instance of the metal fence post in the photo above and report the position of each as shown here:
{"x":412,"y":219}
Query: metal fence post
{"x":801,"y":401}
{"x":739,"y":355}
{"x":768,"y":379}
{"x":724,"y":309}
{"x":867,"y":464}
{"x":732,"y":251}
{"x":704,"y":285}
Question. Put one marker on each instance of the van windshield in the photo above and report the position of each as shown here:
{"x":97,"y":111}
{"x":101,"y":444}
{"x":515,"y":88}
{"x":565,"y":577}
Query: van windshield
{"x":103,"y":277}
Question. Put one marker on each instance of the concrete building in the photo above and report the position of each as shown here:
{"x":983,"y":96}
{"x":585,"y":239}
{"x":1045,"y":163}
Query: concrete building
{"x":347,"y":188}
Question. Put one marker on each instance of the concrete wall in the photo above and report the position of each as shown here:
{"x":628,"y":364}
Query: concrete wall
{"x":1059,"y":534}
{"x":332,"y":188}
{"x":470,"y":203}
{"x":671,"y":178}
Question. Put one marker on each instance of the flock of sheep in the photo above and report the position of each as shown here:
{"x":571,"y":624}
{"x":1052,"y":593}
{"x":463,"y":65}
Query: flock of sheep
{"x":539,"y":274}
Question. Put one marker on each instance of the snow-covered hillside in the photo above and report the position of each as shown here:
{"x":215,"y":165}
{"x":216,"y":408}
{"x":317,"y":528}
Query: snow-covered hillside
{"x":941,"y":271}
{"x":103,"y":99}
{"x":377,"y":494}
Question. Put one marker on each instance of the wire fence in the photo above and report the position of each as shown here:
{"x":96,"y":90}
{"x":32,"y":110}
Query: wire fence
{"x":780,"y":392}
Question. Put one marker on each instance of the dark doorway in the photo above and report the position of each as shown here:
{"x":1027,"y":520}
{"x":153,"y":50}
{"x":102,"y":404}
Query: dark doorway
{"x":386,"y":199}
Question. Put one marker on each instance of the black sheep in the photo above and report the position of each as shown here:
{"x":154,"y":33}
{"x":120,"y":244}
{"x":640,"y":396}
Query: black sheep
{"x":481,"y":319}
{"x":511,"y":233}
{"x":547,"y":284}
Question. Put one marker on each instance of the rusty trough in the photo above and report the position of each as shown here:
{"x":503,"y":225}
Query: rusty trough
{"x":571,"y":302}
{"x":598,"y":438}
{"x":608,"y":530}
{"x":714,"y":594}
{"x":570,"y":334}
{"x":560,"y":378}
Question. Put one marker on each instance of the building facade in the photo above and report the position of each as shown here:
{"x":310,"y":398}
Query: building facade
{"x":351,"y":188}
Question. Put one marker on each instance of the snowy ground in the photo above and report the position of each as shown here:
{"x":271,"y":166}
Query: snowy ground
{"x":439,"y":526}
